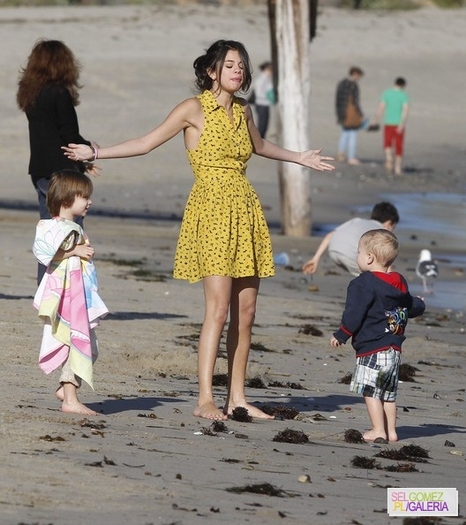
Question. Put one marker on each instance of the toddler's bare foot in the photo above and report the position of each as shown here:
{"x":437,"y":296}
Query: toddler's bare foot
{"x":371,"y":436}
{"x":252,"y":410}
{"x":75,"y":407}
{"x":59,"y":393}
{"x":209,"y":411}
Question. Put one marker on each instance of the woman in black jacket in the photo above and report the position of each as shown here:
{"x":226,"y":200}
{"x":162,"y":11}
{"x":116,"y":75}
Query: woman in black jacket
{"x":48,"y":93}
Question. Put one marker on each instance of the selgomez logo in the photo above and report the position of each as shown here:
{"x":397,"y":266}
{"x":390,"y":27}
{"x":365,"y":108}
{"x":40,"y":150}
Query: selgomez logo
{"x":422,"y":502}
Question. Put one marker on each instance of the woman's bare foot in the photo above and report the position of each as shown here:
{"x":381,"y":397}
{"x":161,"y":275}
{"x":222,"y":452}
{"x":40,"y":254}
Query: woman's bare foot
{"x":59,"y":393}
{"x":209,"y":411}
{"x":371,"y":436}
{"x":252,"y":410}
{"x":76,"y":407}
{"x":392,"y":437}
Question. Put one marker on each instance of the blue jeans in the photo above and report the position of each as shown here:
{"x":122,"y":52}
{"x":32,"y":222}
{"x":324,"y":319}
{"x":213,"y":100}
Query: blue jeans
{"x":41,"y":186}
{"x":348,"y":142}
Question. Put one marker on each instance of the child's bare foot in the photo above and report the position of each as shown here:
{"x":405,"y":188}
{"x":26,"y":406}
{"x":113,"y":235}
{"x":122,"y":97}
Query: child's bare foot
{"x":252,"y":410}
{"x":209,"y":411}
{"x":392,"y":437}
{"x":372,"y":436}
{"x":76,"y":407}
{"x":59,"y":393}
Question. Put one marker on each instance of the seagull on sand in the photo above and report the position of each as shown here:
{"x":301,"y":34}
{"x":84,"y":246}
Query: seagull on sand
{"x":426,"y":270}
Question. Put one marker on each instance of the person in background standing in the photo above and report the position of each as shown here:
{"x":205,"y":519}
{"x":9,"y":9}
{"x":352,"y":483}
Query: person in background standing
{"x":348,"y":89}
{"x":394,"y":106}
{"x":264,"y":97}
{"x":48,"y":93}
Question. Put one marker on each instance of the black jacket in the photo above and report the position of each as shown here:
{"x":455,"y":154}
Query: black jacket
{"x":376,"y":312}
{"x":53,"y":123}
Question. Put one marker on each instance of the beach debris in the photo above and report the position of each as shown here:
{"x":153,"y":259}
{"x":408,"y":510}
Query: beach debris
{"x":291,"y":436}
{"x":150,"y":416}
{"x":304,"y":478}
{"x":260,"y":347}
{"x":85,"y":423}
{"x":256,"y":382}
{"x":288,"y":384}
{"x":241,"y":414}
{"x":449,"y":444}
{"x":281,"y":259}
{"x":241,"y":436}
{"x":436,"y":396}
{"x":206,"y":431}
{"x":281,"y":411}
{"x":177,"y":507}
{"x":99,"y":464}
{"x":456,"y":452}
{"x":309,"y":329}
{"x":407,"y":372}
{"x":346,"y":379}
{"x":426,"y":270}
{"x":365,"y":462}
{"x":318,"y":417}
{"x":51,"y":439}
{"x":353,"y":436}
{"x":406,"y":453}
{"x":219,"y":426}
{"x":402,"y":467}
{"x":109,"y":461}
{"x":220,"y":380}
{"x":259,"y":488}
{"x":214,"y":509}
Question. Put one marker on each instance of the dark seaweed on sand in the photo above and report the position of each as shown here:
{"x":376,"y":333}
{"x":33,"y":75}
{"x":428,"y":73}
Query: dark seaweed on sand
{"x":309,"y":329}
{"x":364,"y":462}
{"x":220,"y":380}
{"x":291,"y":436}
{"x":402,"y":467}
{"x":292,"y":386}
{"x":241,"y":414}
{"x":407,"y":373}
{"x":346,"y":379}
{"x":280,"y":412}
{"x":256,"y":382}
{"x":259,"y":488}
{"x":353,"y":436}
{"x":405,"y":453}
{"x":260,"y":347}
{"x":219,"y":426}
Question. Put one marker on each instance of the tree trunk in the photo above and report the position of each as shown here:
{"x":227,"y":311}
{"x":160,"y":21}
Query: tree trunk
{"x":292,"y":37}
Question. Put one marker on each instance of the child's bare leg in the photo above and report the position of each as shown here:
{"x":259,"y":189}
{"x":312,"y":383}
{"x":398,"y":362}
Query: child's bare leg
{"x":388,"y":159}
{"x":389,"y":408}
{"x":377,"y":417}
{"x":398,"y":161}
{"x":242,"y":312}
{"x":71,"y":403}
{"x":217,"y":291}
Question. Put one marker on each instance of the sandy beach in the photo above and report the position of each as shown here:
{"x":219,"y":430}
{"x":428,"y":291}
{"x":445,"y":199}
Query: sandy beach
{"x":145,"y":459}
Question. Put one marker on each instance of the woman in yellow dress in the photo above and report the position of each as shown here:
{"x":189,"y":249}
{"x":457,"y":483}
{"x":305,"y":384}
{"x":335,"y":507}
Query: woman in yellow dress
{"x":224,"y":239}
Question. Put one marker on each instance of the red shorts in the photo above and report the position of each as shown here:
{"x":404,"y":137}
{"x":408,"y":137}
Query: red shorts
{"x":392,"y":137}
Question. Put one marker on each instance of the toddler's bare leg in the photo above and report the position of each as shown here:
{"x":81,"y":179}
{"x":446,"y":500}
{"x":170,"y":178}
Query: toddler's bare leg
{"x":389,"y":409}
{"x":71,"y":403}
{"x":377,"y":417}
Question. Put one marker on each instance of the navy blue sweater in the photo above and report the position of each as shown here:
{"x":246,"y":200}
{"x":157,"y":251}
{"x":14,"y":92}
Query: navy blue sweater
{"x":376,"y":312}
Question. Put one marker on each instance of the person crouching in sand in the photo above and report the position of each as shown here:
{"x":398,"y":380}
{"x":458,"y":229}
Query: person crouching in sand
{"x":378,"y":304}
{"x":67,"y":298}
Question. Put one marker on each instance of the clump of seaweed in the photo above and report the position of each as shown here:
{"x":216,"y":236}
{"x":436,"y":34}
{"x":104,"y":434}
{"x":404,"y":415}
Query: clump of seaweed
{"x":220,"y":380}
{"x":280,"y":411}
{"x":256,"y":382}
{"x":288,"y":384}
{"x":353,"y":436}
{"x":364,"y":462}
{"x":309,"y":329}
{"x":402,"y":467}
{"x":291,"y":436}
{"x":259,"y":488}
{"x":219,"y":426}
{"x":407,"y":372}
{"x":422,"y":520}
{"x":241,"y":414}
{"x":260,"y":347}
{"x":346,"y":379}
{"x":406,"y":453}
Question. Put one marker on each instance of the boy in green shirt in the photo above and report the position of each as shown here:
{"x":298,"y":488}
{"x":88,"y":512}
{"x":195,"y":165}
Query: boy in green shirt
{"x":394,"y":106}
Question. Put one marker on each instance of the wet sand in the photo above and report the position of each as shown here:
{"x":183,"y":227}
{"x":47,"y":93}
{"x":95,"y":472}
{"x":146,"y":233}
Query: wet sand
{"x":146,"y":459}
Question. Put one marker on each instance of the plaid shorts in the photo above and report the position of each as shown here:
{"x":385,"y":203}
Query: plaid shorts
{"x":376,"y":375}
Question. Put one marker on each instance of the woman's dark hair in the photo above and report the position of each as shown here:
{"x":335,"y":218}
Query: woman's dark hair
{"x":64,"y":187}
{"x":50,"y":62}
{"x":213,"y":60}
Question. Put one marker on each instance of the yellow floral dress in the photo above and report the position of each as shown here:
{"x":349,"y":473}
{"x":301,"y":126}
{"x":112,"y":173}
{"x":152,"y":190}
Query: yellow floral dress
{"x":223,"y":231}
